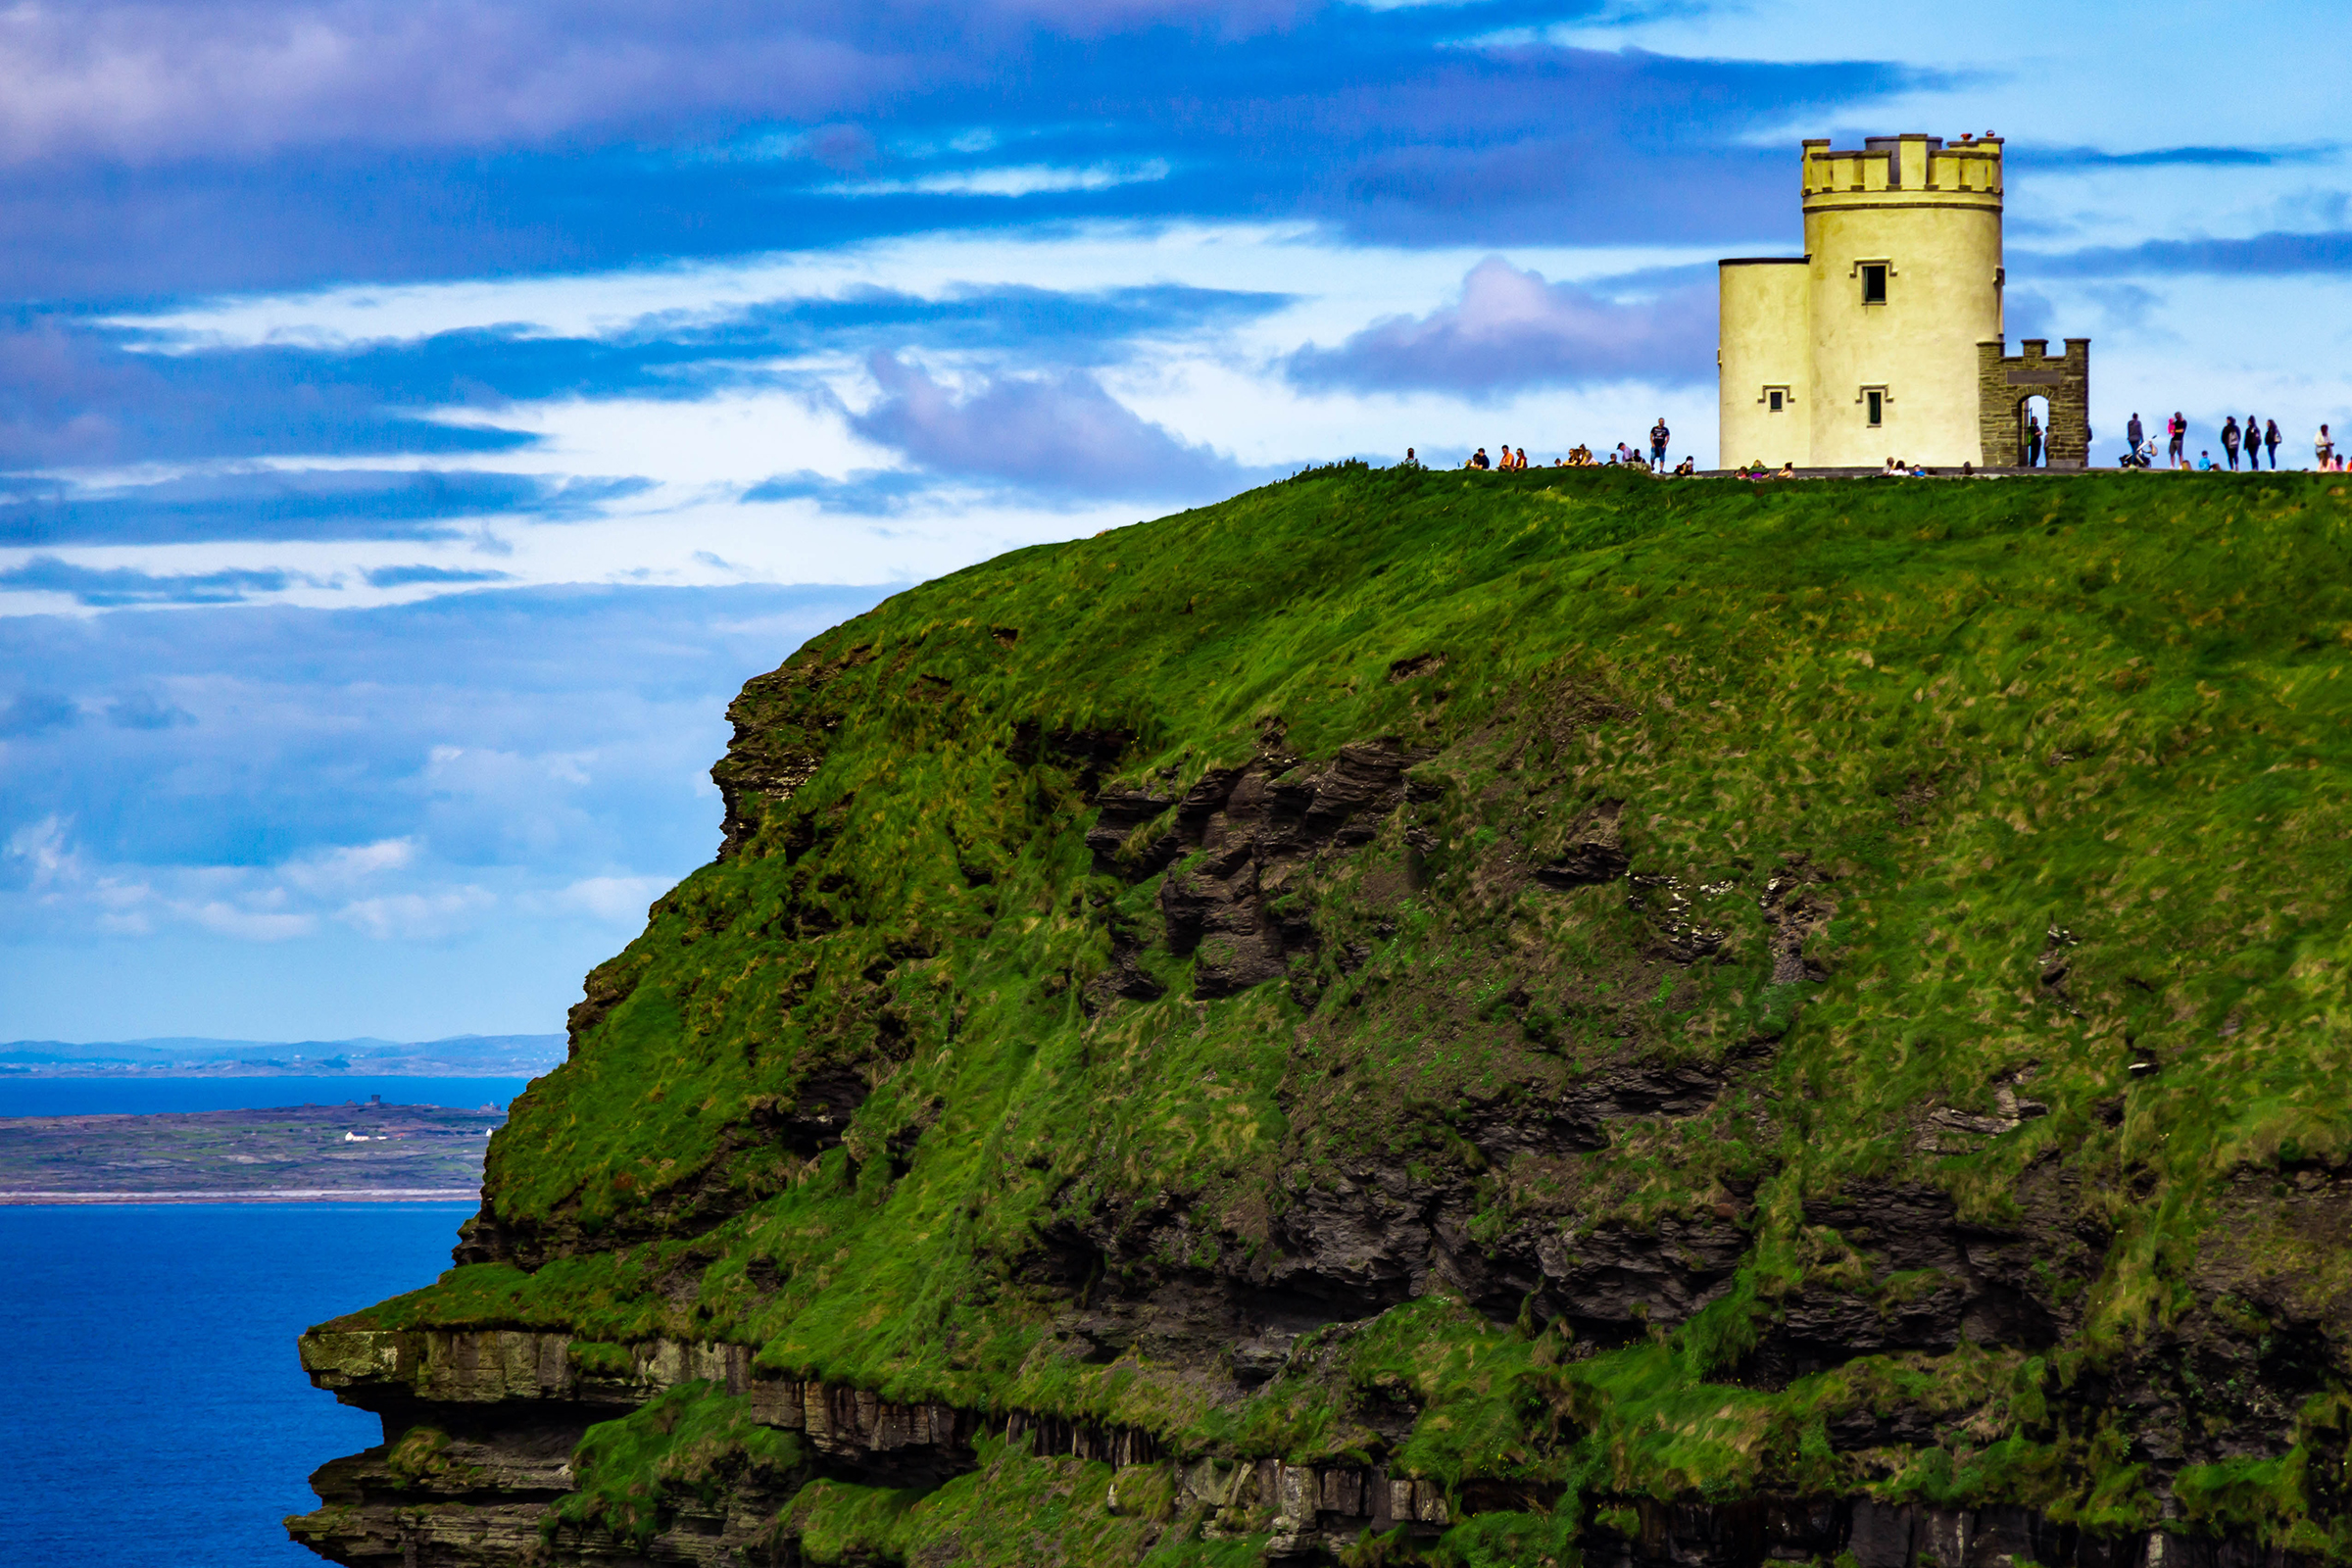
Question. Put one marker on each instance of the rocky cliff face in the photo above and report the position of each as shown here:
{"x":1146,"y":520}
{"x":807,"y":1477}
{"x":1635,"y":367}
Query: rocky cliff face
{"x":1510,"y":1020}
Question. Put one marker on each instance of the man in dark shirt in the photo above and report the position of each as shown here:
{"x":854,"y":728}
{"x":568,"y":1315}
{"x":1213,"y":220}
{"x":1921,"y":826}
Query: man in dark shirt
{"x":1479,"y":459}
{"x":2133,"y":435}
{"x":2229,"y":441}
{"x":1660,"y":435}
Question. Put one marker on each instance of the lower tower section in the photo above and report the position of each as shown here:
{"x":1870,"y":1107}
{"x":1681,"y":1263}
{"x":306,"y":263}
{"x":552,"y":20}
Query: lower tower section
{"x":1764,"y":362}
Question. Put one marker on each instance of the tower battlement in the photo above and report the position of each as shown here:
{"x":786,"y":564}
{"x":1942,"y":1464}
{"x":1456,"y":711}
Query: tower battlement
{"x":1912,"y":167}
{"x":1867,"y":346}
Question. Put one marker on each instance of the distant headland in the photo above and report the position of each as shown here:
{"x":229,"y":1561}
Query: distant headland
{"x":457,"y":1056}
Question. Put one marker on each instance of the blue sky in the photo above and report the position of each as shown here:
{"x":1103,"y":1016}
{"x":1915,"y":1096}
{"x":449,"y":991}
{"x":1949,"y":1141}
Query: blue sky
{"x":416,"y":420}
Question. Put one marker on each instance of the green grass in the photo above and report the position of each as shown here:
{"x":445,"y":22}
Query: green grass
{"x":688,"y":1442}
{"x":2002,"y":723}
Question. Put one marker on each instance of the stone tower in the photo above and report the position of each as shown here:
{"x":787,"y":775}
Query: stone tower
{"x":1873,"y":344}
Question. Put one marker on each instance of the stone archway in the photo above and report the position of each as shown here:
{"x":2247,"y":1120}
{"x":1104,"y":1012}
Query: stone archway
{"x":2034,"y":409}
{"x":2004,"y":385}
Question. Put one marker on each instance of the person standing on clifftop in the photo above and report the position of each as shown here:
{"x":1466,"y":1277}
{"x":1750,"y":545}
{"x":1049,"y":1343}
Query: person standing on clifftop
{"x":2270,"y":442}
{"x":1660,"y":435}
{"x":2133,"y":433}
{"x":2229,"y":441}
{"x":2177,"y":429}
{"x":2032,"y":441}
{"x":2323,"y":447}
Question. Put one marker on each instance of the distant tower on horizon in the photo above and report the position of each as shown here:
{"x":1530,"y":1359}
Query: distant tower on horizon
{"x":1884,"y":339}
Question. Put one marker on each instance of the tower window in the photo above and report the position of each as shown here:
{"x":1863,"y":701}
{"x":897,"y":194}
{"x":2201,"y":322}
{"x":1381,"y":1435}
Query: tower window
{"x":1874,"y":406}
{"x":1775,"y":399}
{"x":1873,"y":286}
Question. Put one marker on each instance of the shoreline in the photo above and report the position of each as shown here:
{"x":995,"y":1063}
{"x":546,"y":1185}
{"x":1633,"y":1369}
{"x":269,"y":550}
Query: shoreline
{"x":280,"y":1194}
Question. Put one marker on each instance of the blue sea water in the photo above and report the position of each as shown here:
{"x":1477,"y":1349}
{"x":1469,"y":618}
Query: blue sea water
{"x":98,"y":1097}
{"x":154,"y":1410}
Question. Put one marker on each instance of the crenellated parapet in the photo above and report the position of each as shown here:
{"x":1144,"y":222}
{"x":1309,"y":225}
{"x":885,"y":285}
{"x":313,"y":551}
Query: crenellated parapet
{"x":1912,"y":167}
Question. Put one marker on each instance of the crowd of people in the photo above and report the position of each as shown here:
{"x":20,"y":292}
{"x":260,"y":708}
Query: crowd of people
{"x":1580,"y":456}
{"x":2254,"y":440}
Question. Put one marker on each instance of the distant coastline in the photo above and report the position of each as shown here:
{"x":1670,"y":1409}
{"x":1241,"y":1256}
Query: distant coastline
{"x":457,"y":1056}
{"x":319,"y":1195}
{"x":351,"y":1152}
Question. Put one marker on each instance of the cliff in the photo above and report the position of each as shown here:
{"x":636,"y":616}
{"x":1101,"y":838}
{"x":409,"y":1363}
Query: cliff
{"x":1411,"y":1016}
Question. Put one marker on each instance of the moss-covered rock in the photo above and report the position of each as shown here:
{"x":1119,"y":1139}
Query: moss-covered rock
{"x":1473,"y":1018}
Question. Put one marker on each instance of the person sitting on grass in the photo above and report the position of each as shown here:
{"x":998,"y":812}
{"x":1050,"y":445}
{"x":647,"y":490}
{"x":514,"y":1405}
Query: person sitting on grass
{"x":1479,"y":460}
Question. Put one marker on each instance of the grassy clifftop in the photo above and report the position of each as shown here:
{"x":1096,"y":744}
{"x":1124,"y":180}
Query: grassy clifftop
{"x":1574,"y":987}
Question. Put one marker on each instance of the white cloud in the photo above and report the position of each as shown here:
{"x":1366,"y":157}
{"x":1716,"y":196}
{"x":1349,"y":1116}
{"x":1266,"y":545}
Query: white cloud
{"x":331,"y":871}
{"x":417,"y":917}
{"x":1025,"y":179}
{"x":250,"y":925}
{"x":47,"y":857}
{"x":620,"y":898}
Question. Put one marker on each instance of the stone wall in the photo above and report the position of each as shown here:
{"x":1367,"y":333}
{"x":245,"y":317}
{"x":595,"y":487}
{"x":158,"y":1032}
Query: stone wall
{"x":2006,"y":382}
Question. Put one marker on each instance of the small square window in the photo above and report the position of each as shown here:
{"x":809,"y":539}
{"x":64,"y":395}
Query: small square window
{"x":1874,"y":283}
{"x":1874,"y":404}
{"x":1775,"y":398}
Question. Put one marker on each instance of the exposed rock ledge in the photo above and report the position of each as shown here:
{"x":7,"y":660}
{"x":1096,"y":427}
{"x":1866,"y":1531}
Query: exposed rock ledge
{"x":513,"y":1405}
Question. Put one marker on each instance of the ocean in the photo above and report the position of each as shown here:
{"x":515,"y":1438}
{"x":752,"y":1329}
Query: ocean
{"x":155,"y":1410}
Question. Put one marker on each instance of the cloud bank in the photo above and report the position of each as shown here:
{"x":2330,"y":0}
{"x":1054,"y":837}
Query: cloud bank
{"x":1060,"y":434}
{"x":1512,"y":330}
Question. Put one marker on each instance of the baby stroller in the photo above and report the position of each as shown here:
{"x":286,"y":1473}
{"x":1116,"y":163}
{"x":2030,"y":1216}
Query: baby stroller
{"x":2142,"y":455}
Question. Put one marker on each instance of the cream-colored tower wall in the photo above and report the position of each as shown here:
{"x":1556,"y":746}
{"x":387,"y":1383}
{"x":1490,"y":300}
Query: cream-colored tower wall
{"x":1764,"y":345}
{"x":1932,"y":216}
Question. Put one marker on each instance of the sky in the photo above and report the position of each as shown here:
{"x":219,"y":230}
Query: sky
{"x":417,"y":419}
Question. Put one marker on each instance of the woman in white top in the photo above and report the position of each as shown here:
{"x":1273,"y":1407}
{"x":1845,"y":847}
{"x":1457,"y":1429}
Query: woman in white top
{"x":2323,"y":446}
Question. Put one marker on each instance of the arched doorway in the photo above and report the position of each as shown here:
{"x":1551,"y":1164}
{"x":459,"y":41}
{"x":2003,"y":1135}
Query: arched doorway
{"x":2033,"y":430}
